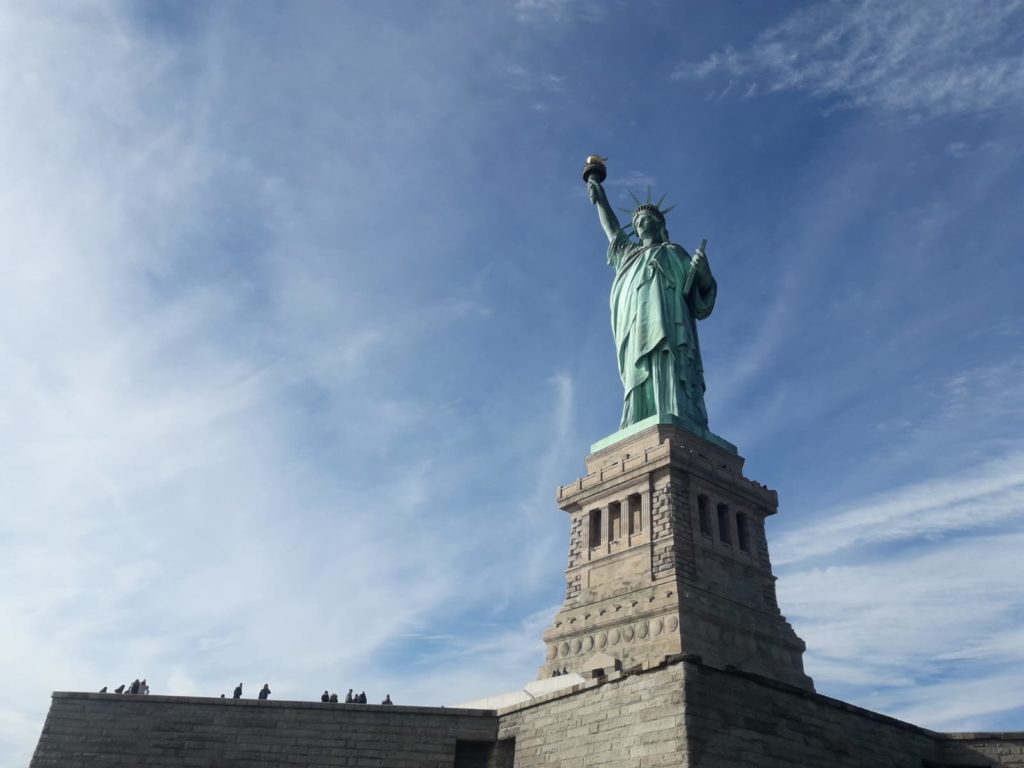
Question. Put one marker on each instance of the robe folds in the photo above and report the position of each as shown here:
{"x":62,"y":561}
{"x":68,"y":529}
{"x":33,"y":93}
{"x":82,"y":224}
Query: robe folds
{"x":655,"y":303}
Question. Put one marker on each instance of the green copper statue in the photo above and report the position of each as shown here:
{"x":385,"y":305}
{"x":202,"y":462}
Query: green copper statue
{"x":658,"y":294}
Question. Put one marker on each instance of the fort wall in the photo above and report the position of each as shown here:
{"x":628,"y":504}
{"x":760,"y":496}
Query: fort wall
{"x":680,"y":713}
{"x":686,"y":713}
{"x":109,"y":730}
{"x":621,"y":722}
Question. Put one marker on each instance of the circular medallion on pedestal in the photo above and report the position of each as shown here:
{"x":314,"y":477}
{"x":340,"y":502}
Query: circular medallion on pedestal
{"x":642,"y":629}
{"x":602,"y":640}
{"x":614,"y":636}
{"x":576,"y":646}
{"x":673,"y":623}
{"x":627,"y":633}
{"x":588,"y":643}
{"x":552,"y":651}
{"x":564,"y":649}
{"x":657,"y":627}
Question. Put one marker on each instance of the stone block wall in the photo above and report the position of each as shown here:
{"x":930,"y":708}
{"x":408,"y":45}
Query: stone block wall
{"x":630,"y":721}
{"x":574,"y":584}
{"x":734,"y":718}
{"x":687,"y":714}
{"x":682,"y":713}
{"x":85,"y":730}
{"x":667,"y":496}
{"x":739,"y":719}
{"x":992,"y":749}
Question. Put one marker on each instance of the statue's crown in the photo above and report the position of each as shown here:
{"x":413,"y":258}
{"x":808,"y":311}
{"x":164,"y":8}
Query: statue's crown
{"x":649,"y":207}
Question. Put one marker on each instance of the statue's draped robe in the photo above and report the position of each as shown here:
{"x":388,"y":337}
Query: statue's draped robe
{"x":655,"y":303}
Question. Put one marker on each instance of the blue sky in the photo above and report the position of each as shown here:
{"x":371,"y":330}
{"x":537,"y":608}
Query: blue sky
{"x":304,"y":316}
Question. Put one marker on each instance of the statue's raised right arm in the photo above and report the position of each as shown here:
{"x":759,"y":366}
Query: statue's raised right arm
{"x":609,"y":222}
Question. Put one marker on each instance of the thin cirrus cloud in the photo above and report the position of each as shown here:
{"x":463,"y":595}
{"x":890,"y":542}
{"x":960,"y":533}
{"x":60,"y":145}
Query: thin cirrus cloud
{"x":174,"y":499}
{"x":929,"y":59}
{"x":266,"y":338}
{"x":539,"y":11}
{"x":929,"y":635}
{"x":982,"y":496}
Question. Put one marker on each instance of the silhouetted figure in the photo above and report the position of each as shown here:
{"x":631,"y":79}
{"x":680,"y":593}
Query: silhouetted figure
{"x":265,"y":692}
{"x":103,"y":689}
{"x":556,"y":673}
{"x":326,"y":697}
{"x":119,"y":689}
{"x":349,"y":698}
{"x":238,"y":692}
{"x":361,"y":699}
{"x":135,"y":686}
{"x":387,"y":700}
{"x":334,"y":698}
{"x":144,"y":687}
{"x":222,"y":695}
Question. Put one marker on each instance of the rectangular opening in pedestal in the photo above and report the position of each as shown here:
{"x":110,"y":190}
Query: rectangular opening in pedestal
{"x":614,"y":521}
{"x":636,"y":523}
{"x":704,"y":514}
{"x":742,"y":532}
{"x":484,"y":754}
{"x":595,"y":528}
{"x":724,"y":529}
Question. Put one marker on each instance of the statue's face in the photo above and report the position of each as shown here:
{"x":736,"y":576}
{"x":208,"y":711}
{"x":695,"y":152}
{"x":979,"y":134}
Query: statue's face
{"x":648,"y":226}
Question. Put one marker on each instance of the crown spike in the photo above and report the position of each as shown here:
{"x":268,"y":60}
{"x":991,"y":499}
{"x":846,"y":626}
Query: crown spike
{"x":668,"y":209}
{"x":662,"y":200}
{"x":635,"y":198}
{"x":648,"y":193}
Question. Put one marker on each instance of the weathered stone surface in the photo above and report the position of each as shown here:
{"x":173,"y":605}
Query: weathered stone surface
{"x":682,"y":713}
{"x":667,"y":555}
{"x":685,"y":713}
{"x":102,"y":729}
{"x":616,"y":723}
{"x":735,"y":718}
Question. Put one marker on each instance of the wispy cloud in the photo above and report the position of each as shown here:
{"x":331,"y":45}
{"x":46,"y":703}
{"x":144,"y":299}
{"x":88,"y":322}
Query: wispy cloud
{"x":537,"y":11}
{"x":221,"y":390}
{"x":483,"y":659}
{"x":922,"y":58}
{"x":907,"y":599}
{"x":962,"y":149}
{"x":979,"y":497}
{"x":528,"y":80}
{"x":537,"y":506}
{"x":930,"y":634}
{"x":635,"y":181}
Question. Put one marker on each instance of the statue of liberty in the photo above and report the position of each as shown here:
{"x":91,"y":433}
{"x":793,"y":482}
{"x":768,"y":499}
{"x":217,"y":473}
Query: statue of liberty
{"x":658,"y":294}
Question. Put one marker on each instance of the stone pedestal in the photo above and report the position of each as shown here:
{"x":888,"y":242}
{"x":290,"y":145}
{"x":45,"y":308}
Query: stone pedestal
{"x":667,"y":555}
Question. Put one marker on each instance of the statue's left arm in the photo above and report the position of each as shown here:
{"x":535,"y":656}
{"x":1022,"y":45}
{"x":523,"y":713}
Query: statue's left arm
{"x":704,"y":289}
